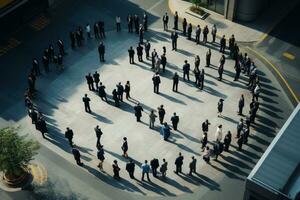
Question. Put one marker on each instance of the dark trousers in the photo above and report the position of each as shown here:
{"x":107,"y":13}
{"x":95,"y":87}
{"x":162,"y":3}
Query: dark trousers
{"x":154,"y":172}
{"x":186,"y":74}
{"x":147,"y":54}
{"x":156,"y":88}
{"x":140,"y":57}
{"x":222,"y":49}
{"x":91,"y":86}
{"x":175,"y":126}
{"x":143,"y":175}
{"x":98,"y":142}
{"x":192,"y":170}
{"x":214,"y":38}
{"x":120,"y":96}
{"x":131,"y":174}
{"x":204,"y":38}
{"x":118,"y":27}
{"x":78,"y":161}
{"x":87,"y":108}
{"x":241,"y":110}
{"x":197,"y":39}
{"x":207,"y":62}
{"x":138,"y":118}
{"x":165,"y":26}
{"x":161,"y":119}
{"x":237,"y":76}
{"x":175,"y":86}
{"x":174,"y":45}
{"x":101,"y":55}
{"x":70,"y":141}
{"x":131,"y":59}
{"x":178,"y":169}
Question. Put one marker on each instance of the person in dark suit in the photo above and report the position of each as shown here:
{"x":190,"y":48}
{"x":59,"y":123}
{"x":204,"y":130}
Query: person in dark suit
{"x":98,"y":135}
{"x":176,"y":21}
{"x":175,"y":82}
{"x":76,"y":155}
{"x":193,"y":166}
{"x":165,"y":21}
{"x":175,"y":120}
{"x":136,"y":23}
{"x":154,"y":163}
{"x":90,"y":82}
{"x":241,"y":105}
{"x":163,"y":61}
{"x":96,"y":30}
{"x":101,"y":50}
{"x":115,"y":98}
{"x":42,"y":126}
{"x":161,"y":113}
{"x":139,"y":51}
{"x":179,"y":163}
{"x":197,"y":33}
{"x":201,"y":79}
{"x":69,"y":135}
{"x":145,"y":21}
{"x":100,"y":156}
{"x":120,"y":90}
{"x":222,"y":44}
{"x":101,"y":92}
{"x":116,"y":169}
{"x":61,"y":47}
{"x":130,"y":23}
{"x":96,"y":77}
{"x":174,"y":37}
{"x":156,"y":82}
{"x":227,"y":141}
{"x":127,"y":90}
{"x":124,"y":147}
{"x":131,"y":55}
{"x":138,"y":112}
{"x":186,"y":70}
{"x":189,"y":31}
{"x":205,"y":33}
{"x":141,"y":34}
{"x":208,"y":56}
{"x":72,"y":38}
{"x":101,"y":29}
{"x":130,"y":166}
{"x":184,"y":25}
{"x":45,"y":63}
{"x":153,"y":56}
{"x":238,"y":70}
{"x":86,"y":102}
{"x":35,"y":67}
{"x":220,"y":107}
{"x":147,"y":49}
{"x":205,"y":126}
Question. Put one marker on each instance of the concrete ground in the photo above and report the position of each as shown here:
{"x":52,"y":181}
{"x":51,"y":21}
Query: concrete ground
{"x":60,"y":99}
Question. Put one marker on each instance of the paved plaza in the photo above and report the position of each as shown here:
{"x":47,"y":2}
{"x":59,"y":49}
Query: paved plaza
{"x":59,"y":98}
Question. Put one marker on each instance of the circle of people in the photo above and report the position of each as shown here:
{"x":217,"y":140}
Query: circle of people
{"x":242,"y":64}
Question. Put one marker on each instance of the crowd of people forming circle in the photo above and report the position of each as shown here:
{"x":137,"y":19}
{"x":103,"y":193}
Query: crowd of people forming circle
{"x":222,"y":143}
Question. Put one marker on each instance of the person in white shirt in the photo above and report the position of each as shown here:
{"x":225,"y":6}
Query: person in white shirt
{"x":88,"y":30}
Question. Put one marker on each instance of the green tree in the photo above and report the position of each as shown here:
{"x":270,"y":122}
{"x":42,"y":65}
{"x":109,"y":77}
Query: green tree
{"x":15,"y":152}
{"x":196,"y":3}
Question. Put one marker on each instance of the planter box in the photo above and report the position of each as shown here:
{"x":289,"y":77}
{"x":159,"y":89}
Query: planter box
{"x":203,"y":17}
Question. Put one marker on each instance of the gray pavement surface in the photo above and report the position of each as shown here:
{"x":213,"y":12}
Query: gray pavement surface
{"x":225,"y":178}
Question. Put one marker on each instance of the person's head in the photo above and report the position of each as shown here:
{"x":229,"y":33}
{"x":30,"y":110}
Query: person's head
{"x":127,"y":82}
{"x":68,"y":128}
{"x":164,"y":160}
{"x":119,"y":83}
{"x":152,"y":111}
{"x":146,"y":161}
{"x":156,"y":73}
{"x":125,"y":138}
{"x":138,"y":103}
{"x":175,"y":73}
{"x":130,"y":160}
{"x":179,"y":153}
{"x":193,"y":157}
{"x":115,"y":161}
{"x":228,"y":133}
{"x":241,"y":119}
{"x":185,"y":61}
{"x":164,"y":47}
{"x":100,"y":83}
{"x":165,"y":124}
{"x":97,"y":126}
{"x":220,"y":126}
{"x":242,"y":96}
{"x":207,"y":147}
{"x":223,"y":36}
{"x":174,"y":113}
{"x":232,"y":35}
{"x":85,"y":95}
{"x":161,"y":106}
{"x":205,"y":133}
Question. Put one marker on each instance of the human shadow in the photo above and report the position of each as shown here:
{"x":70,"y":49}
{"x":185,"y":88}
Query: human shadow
{"x":229,"y":119}
{"x":101,"y":118}
{"x":184,"y":147}
{"x":227,"y":173}
{"x":270,"y":113}
{"x":269,"y":100}
{"x":184,"y":52}
{"x":175,"y":184}
{"x":214,"y":92}
{"x":236,"y":162}
{"x":190,"y":97}
{"x":211,"y":184}
{"x":273,"y":108}
{"x":173,"y":99}
{"x":189,"y":136}
{"x":155,"y":188}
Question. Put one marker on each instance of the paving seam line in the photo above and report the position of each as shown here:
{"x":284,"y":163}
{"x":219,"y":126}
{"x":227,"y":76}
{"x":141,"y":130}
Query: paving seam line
{"x":278,"y":73}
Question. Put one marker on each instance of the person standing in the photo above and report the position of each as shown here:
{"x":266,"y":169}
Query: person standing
{"x":42,"y":126}
{"x":221,"y":67}
{"x":222,"y":44}
{"x":130,"y":167}
{"x":193,"y":166}
{"x":175,"y":120}
{"x":116,"y":169}
{"x":90,"y":82}
{"x":145,"y":21}
{"x":76,"y":155}
{"x":101,"y":29}
{"x":165,"y":21}
{"x":61,"y":48}
{"x":154,"y":163}
{"x":163,"y":168}
{"x":152,"y":117}
{"x":153,"y":56}
{"x":138,"y":112}
{"x":197,"y":33}
{"x":118,"y":23}
{"x":130,"y":23}
{"x":239,"y":128}
{"x":184,"y":25}
{"x":115,"y":98}
{"x":240,"y":142}
{"x":174,"y":37}
{"x":45,"y":63}
{"x":86,"y":100}
{"x":88,"y":30}
{"x":120,"y":90}
{"x":145,"y":170}
{"x":205,"y":33}
{"x":256,"y":92}
{"x":175,"y":82}
{"x":100,"y":156}
{"x":131,"y":55}
{"x":69,"y":135}
{"x":219,"y":134}
{"x":161,"y":113}
{"x":141,"y":34}
{"x":220,"y":107}
{"x":72,"y":38}
{"x":147,"y":49}
{"x":237,"y":68}
{"x":214,"y":33}
{"x":179,"y":163}
{"x":101,"y":50}
{"x":197,"y":76}
{"x":176,"y":21}
{"x":189,"y":31}
{"x":218,"y":149}
{"x":101,"y":92}
{"x":139,"y":51}
{"x":96,"y":30}
{"x":163,"y":61}
{"x":127,"y":90}
{"x":124,"y":147}
{"x":205,"y":126}
{"x":204,"y":141}
{"x":35,"y":67}
{"x":231,"y":45}
{"x":96,"y":77}
{"x":98,"y":135}
{"x":156,"y":82}
{"x":201,"y":79}
{"x":206,"y":155}
{"x":186,"y":70}
{"x":241,"y":105}
{"x":208,"y":56}
{"x":227,"y":141}
{"x":165,"y":131}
